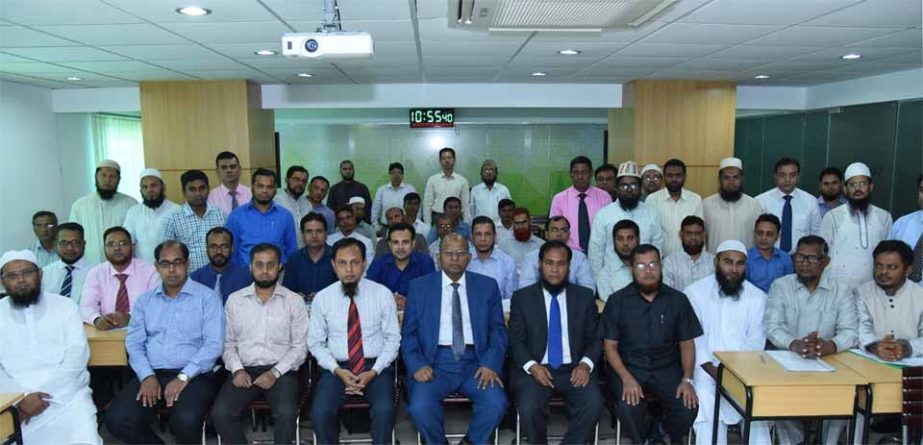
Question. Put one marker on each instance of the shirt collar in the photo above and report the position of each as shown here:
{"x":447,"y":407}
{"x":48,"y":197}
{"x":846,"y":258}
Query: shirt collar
{"x":447,"y":282}
{"x":250,"y":292}
{"x":449,"y":176}
{"x":754,"y":252}
{"x":185,"y":290}
{"x":130,"y":270}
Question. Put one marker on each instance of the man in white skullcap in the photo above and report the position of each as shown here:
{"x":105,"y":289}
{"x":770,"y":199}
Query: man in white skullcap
{"x":730,"y":310}
{"x":143,"y":221}
{"x":45,"y":355}
{"x":628,"y":206}
{"x":730,"y":213}
{"x":102,"y":209}
{"x":651,"y":180}
{"x":852,"y":231}
{"x":363,"y":227}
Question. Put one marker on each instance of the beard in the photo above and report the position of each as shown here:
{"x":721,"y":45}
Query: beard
{"x":730,"y":288}
{"x":624,"y":256}
{"x":292,"y":192}
{"x":805,"y":279}
{"x":262,"y":202}
{"x":155,"y":202}
{"x":694,"y":249}
{"x":673,"y":189}
{"x":350,"y":289}
{"x":628,"y":203}
{"x":522,"y":235}
{"x":731,"y":196}
{"x":266,"y":284}
{"x":104,"y":194}
{"x":650,"y":288}
{"x":218,"y":260}
{"x":552,"y":288}
{"x":26,"y":298}
{"x":830,"y":196}
{"x":859,"y":205}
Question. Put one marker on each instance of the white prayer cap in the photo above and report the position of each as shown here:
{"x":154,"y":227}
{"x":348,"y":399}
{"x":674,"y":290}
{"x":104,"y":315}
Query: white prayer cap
{"x":731,"y":162}
{"x":732,"y":245}
{"x":356,"y":200}
{"x":629,"y":168}
{"x":109,"y":163}
{"x":151,"y":172}
{"x":651,"y":167}
{"x":857,"y":169}
{"x":17,"y":255}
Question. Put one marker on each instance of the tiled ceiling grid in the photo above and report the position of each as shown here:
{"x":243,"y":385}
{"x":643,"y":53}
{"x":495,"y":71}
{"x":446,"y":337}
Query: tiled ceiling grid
{"x":110,"y":43}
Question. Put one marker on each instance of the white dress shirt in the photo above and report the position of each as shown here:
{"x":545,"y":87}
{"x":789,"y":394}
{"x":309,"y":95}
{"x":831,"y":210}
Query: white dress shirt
{"x":565,"y":337}
{"x":672,"y":214}
{"x":53,"y":277}
{"x":602,"y":248}
{"x":805,"y":212}
{"x":297,"y":207}
{"x":144,"y":223}
{"x":445,"y":318}
{"x":438,"y":188}
{"x":369,"y":247}
{"x":386,"y":197}
{"x":578,"y":273}
{"x":484,"y":201}
{"x":46,"y":257}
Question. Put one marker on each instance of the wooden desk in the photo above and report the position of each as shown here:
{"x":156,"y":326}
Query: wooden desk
{"x":883,"y":389}
{"x":761,"y":389}
{"x":9,"y":418}
{"x":107,"y":348}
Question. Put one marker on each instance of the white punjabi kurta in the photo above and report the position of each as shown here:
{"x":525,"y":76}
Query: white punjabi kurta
{"x":726,"y":220}
{"x":728,"y":325}
{"x":852,"y":237}
{"x":602,"y":247}
{"x":96,"y":215}
{"x":144,"y":224}
{"x":43,"y":349}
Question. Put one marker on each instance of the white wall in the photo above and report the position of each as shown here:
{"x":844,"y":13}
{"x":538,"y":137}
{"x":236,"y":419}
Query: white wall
{"x":30,"y":165}
{"x":75,"y":143}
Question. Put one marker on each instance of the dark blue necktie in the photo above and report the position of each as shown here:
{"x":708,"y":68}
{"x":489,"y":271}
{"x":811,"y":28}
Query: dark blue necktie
{"x":458,"y":331}
{"x":555,"y":348}
{"x":68,"y":282}
{"x":786,"y":243}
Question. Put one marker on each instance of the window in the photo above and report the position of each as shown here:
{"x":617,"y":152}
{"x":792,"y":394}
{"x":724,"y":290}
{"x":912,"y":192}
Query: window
{"x":119,"y":138}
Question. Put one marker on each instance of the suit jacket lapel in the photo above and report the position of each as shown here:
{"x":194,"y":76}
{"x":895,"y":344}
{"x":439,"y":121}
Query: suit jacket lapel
{"x":475,"y":301}
{"x":541,"y":318}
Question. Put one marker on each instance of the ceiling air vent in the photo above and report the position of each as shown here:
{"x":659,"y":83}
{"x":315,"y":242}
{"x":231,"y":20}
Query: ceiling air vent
{"x":552,"y":15}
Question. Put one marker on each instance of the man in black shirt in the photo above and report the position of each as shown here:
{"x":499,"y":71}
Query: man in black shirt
{"x":341,"y":192}
{"x":648,"y":331}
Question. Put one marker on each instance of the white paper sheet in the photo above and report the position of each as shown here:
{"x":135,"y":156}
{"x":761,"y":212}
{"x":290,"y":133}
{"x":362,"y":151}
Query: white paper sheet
{"x":795,"y":363}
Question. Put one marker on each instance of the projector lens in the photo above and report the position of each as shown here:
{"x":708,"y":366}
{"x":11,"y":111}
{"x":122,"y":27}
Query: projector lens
{"x":311,"y":45}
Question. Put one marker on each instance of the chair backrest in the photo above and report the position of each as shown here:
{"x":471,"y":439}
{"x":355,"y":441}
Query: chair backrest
{"x":912,"y":412}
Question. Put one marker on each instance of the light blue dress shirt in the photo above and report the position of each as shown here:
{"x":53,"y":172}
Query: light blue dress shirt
{"x":579,"y":273}
{"x":500,"y":266}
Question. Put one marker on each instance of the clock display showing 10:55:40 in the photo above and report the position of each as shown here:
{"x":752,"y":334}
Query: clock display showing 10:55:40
{"x":432,"y":117}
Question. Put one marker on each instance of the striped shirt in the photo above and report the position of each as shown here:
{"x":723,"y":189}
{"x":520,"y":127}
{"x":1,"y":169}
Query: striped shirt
{"x":270,"y":333}
{"x":186,"y":227}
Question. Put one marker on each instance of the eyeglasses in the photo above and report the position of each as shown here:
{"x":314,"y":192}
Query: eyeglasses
{"x":15,"y":276}
{"x":175,"y":264}
{"x":557,"y":230}
{"x":520,"y":223}
{"x":627,"y":187}
{"x":810,"y":259}
{"x":219,"y":247}
{"x":445,"y":226}
{"x":114,"y":244}
{"x":857,"y":184}
{"x":454,"y":254}
{"x":652,"y":178}
{"x":66,"y":244}
{"x":641,"y":267}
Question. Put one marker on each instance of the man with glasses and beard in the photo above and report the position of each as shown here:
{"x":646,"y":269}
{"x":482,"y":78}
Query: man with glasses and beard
{"x":143,"y":221}
{"x":730,"y":213}
{"x":852,"y":231}
{"x":67,"y":275}
{"x":814,"y":315}
{"x":102,"y":209}
{"x":263,"y":347}
{"x":617,"y":275}
{"x":730,"y":310}
{"x":292,"y":196}
{"x":628,"y":206}
{"x":693,"y":262}
{"x":355,"y":336}
{"x":648,"y":353}
{"x":221,"y":274}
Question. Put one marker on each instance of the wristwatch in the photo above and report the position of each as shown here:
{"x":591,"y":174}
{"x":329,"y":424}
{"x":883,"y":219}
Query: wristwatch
{"x":276,"y":372}
{"x":689,"y":381}
{"x":183,"y":377}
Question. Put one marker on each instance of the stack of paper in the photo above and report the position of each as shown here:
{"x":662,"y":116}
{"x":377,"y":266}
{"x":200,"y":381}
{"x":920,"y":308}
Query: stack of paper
{"x":910,"y":361}
{"x":795,"y":363}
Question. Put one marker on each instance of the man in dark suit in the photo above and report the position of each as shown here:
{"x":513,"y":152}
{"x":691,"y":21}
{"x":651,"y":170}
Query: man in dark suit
{"x":555,"y":347}
{"x":454,"y":340}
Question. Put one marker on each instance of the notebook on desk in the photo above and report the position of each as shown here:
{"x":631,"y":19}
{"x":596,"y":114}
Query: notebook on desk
{"x":796,"y":363}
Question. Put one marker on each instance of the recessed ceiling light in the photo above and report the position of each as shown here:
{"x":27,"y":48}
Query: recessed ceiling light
{"x":539,"y":74}
{"x":851,"y":56}
{"x":569,"y":52}
{"x":305,"y":75}
{"x":73,"y":78}
{"x":193,"y":11}
{"x":265,"y":52}
{"x":761,"y":76}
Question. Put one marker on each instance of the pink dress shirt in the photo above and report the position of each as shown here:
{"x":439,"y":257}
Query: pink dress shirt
{"x":102,"y":287}
{"x":220,"y":197}
{"x":567,"y":204}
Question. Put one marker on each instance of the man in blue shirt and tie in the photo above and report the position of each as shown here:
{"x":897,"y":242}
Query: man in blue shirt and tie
{"x":221,"y":274}
{"x":175,"y":335}
{"x":454,"y":340}
{"x":402,"y":264}
{"x":262,"y":220}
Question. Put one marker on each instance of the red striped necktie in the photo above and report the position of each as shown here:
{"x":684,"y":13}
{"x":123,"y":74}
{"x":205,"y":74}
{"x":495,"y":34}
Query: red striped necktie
{"x":121,"y":298}
{"x":356,"y":356}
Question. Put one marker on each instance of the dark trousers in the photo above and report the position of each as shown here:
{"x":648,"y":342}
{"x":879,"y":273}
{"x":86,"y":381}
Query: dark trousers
{"x":583,"y":405}
{"x":231,"y":403}
{"x":129,"y":421}
{"x":677,"y":418}
{"x":449,"y":376}
{"x":330,"y":395}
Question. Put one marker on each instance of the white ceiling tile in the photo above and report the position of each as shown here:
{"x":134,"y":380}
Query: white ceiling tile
{"x":692,"y":75}
{"x":155,"y":74}
{"x":872,"y":68}
{"x":432,"y":10}
{"x":57,"y":12}
{"x":473,"y":49}
{"x":164,"y":11}
{"x":18,"y":36}
{"x":641,"y":62}
{"x":437,"y":30}
{"x":553,"y":71}
{"x":680,"y":9}
{"x":29,"y":80}
{"x":37,"y":68}
{"x":377,"y":62}
{"x":239,"y":32}
{"x":772,"y":53}
{"x":375,"y":9}
{"x":763,"y":12}
{"x":868,"y":54}
{"x":110,"y":67}
{"x":908,"y":57}
{"x":874,"y":14}
{"x":247,"y":49}
{"x":601,"y":71}
{"x":558,"y":61}
{"x":819,"y":36}
{"x":462,"y":61}
{"x":591,"y":50}
{"x":109,"y":83}
{"x":302,"y":10}
{"x":381,"y":30}
{"x":65,"y":54}
{"x":226,"y":74}
{"x":798,"y":66}
{"x":279,"y":62}
{"x":714,"y":63}
{"x":160,"y":52}
{"x":908,"y":38}
{"x":114,"y":34}
{"x":201,"y":64}
{"x":669,"y":50}
{"x":6,"y":58}
{"x":715,"y":34}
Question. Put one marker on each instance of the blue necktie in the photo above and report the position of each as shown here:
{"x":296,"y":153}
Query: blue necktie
{"x":555,"y":348}
{"x":786,"y":243}
{"x":458,"y":332}
{"x":68,"y":282}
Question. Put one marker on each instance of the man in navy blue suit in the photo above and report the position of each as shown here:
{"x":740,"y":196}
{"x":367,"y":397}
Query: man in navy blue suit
{"x":454,"y":340}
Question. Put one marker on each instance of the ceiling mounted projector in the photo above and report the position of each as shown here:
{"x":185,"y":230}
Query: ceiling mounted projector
{"x":328,"y":45}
